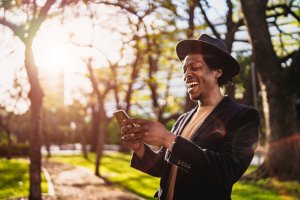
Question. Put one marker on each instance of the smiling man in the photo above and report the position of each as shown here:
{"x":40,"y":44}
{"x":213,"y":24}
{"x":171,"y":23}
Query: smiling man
{"x":208,"y":148}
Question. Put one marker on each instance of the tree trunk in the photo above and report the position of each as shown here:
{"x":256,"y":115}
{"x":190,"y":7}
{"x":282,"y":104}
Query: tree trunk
{"x":103,"y":127}
{"x":45,"y":139}
{"x":47,"y":143}
{"x":232,"y":28}
{"x":95,"y":128}
{"x":6,"y":128}
{"x":26,"y":32}
{"x":282,"y":143}
{"x":189,"y":104}
{"x":35,"y":96}
{"x":83,"y":142}
{"x":9,"y":145}
{"x":265,"y":108}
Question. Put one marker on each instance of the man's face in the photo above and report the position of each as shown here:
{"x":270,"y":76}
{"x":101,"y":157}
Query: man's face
{"x":199,"y":79}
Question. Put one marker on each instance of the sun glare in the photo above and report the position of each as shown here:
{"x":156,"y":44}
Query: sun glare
{"x":52,"y":56}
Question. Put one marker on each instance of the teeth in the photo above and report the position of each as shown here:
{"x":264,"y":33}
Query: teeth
{"x":191,"y":84}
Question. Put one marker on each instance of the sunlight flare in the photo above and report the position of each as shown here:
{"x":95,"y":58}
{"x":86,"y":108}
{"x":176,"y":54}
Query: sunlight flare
{"x":52,"y":55}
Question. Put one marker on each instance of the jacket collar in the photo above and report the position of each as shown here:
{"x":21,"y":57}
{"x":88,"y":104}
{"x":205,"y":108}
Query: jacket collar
{"x":211,"y":117}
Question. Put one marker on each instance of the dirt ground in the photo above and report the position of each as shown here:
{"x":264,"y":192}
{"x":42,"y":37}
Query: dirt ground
{"x":74,"y":183}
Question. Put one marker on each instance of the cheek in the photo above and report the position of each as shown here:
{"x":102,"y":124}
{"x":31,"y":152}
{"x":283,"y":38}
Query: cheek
{"x":207,"y":83}
{"x":210,"y":77}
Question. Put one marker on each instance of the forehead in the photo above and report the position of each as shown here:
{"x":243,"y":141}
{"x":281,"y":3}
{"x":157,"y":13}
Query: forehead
{"x":192,"y":58}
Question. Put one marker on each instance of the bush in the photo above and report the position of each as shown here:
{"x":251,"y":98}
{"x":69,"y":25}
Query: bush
{"x":113,"y":136}
{"x":21,"y":149}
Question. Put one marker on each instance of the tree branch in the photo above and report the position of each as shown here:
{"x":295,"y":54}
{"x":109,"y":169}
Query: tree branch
{"x":240,"y":40}
{"x":93,"y":80}
{"x":211,"y":26}
{"x":286,"y":10}
{"x":119,"y":4}
{"x":17,"y":30}
{"x":36,"y":23}
{"x":287,"y":57}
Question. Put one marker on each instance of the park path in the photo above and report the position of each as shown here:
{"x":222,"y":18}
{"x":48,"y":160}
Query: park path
{"x":74,"y":183}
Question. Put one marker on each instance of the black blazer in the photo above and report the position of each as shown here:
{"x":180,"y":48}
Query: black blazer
{"x":213,"y":160}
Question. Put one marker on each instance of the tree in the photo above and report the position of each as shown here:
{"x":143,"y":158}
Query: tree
{"x":279,"y":72}
{"x":191,"y":6}
{"x":78,"y":119}
{"x":135,"y":12}
{"x":160,"y":65}
{"x":100,"y":119}
{"x":4,"y":124}
{"x":26,"y":33}
{"x":9,"y":106}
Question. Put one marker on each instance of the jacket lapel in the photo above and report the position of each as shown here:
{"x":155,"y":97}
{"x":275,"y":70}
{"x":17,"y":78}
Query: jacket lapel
{"x":212,"y":116}
{"x":185,"y":121}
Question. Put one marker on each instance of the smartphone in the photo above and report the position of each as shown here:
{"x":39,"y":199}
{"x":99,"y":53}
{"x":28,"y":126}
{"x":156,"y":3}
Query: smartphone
{"x":120,"y":115}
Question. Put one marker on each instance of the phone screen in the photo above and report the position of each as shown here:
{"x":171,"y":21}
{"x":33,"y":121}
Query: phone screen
{"x":120,"y":115}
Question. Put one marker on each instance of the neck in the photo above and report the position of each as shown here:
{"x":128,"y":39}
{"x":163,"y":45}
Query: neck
{"x":212,"y":99}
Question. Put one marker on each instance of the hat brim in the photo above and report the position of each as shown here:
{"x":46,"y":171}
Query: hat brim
{"x":184,"y":47}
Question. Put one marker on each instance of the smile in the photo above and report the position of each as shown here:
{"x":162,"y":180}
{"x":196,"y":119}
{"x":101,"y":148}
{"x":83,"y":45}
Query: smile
{"x":191,"y":84}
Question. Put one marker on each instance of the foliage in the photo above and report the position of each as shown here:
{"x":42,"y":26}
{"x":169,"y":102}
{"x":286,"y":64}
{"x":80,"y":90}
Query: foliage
{"x":113,"y":136}
{"x":15,"y":178}
{"x":20,"y":149}
{"x":151,"y":33}
{"x":17,"y":150}
{"x":116,"y":168}
{"x":170,"y":124}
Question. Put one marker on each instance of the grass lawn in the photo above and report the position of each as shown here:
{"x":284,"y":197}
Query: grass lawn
{"x":115,"y":167}
{"x":14,"y":181}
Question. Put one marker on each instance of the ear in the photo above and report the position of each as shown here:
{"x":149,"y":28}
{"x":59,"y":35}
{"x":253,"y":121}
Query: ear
{"x":218,"y":73}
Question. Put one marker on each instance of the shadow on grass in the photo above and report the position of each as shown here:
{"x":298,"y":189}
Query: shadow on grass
{"x":115,"y":169}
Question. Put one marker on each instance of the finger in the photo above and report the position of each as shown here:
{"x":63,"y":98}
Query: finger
{"x":133,"y":143}
{"x":127,"y":138}
{"x":124,"y":131}
{"x":137,"y":121}
{"x":127,"y":128}
{"x":127,"y":131}
{"x":132,"y":136}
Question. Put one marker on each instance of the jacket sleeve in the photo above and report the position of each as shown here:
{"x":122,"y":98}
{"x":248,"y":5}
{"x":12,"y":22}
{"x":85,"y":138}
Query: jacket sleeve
{"x":228,"y":164}
{"x":152,"y":162}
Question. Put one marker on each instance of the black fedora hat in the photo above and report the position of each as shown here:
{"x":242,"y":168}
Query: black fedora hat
{"x":209,"y":45}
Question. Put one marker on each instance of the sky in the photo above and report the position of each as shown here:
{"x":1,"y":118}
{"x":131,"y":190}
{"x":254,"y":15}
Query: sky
{"x":62,"y":48}
{"x":56,"y":55}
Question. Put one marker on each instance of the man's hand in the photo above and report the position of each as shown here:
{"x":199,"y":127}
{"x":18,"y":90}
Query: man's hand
{"x":151,"y":132}
{"x":133,"y":140}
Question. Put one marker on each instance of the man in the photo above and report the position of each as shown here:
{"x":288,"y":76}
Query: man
{"x":208,"y":148}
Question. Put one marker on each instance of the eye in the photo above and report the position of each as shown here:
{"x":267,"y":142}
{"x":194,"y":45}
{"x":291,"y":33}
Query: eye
{"x":195,"y":67}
